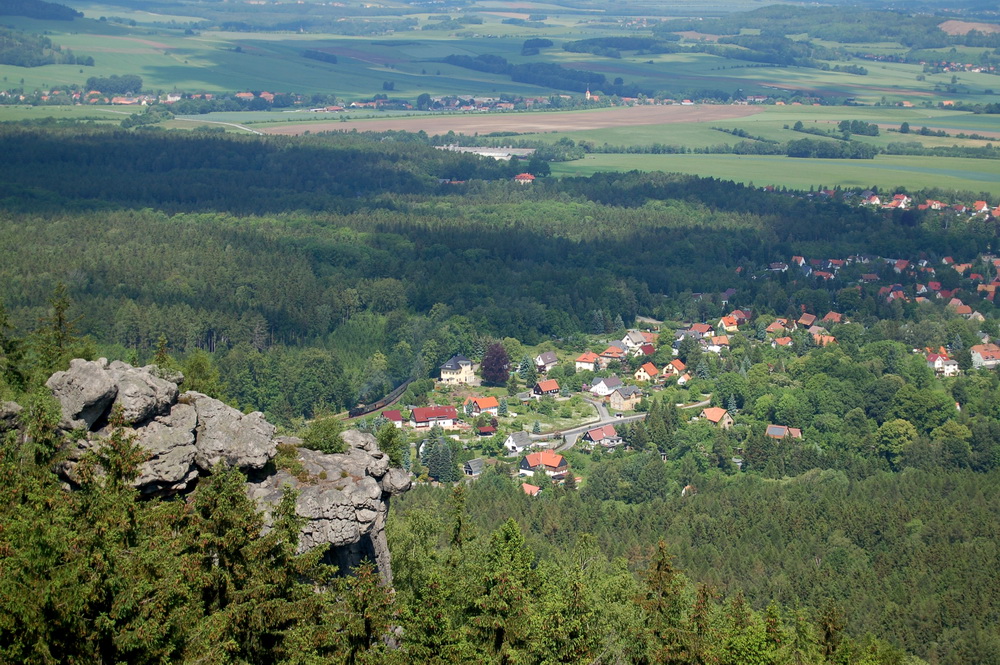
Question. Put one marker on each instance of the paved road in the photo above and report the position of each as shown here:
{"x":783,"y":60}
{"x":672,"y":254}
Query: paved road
{"x":570,"y":436}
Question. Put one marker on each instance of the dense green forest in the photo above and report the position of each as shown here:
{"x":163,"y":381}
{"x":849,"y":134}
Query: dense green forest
{"x":301,"y":276}
{"x":322,"y":251}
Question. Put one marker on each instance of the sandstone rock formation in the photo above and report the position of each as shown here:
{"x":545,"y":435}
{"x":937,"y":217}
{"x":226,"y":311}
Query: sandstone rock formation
{"x":344,"y":497}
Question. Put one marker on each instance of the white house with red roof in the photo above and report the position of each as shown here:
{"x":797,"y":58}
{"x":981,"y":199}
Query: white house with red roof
{"x":647,"y":372}
{"x":395,"y":417}
{"x":524,"y":178}
{"x":428,"y":416}
{"x":605,"y":436}
{"x":483,"y":405}
{"x":587,"y":361}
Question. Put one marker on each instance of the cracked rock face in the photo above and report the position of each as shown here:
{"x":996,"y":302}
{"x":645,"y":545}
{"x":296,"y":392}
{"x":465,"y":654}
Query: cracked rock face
{"x":344,"y":497}
{"x":224,"y":434}
{"x":141,"y":394}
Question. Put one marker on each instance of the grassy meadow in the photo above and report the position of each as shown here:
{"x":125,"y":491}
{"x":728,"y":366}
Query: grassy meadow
{"x":885,"y":171}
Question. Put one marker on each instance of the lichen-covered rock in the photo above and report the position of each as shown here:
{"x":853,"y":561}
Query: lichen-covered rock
{"x":170,"y":442}
{"x":224,"y":434}
{"x":141,"y":394}
{"x":85,"y":392}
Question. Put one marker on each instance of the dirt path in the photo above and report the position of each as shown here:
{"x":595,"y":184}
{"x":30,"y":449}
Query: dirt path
{"x":531,"y":123}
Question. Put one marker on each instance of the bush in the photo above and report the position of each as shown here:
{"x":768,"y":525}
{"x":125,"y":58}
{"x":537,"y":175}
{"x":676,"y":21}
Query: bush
{"x":324,"y":435}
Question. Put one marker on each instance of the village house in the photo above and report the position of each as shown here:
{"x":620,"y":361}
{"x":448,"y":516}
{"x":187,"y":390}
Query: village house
{"x":647,"y":372}
{"x":777,"y":327}
{"x":781,"y":341}
{"x":604,"y":436}
{"x":700,"y":330}
{"x":458,"y":370}
{"x":395,"y":417}
{"x":547,"y":387}
{"x":674,"y":368}
{"x":823,"y":340}
{"x":611,"y":354}
{"x":483,"y":405}
{"x":717,"y":416}
{"x":530,"y":490}
{"x":625,"y":398}
{"x":985,"y":355}
{"x":806,"y":320}
{"x":633,"y":339}
{"x":473,"y":467}
{"x":644,"y":350}
{"x":780,"y":432}
{"x":550,"y":462}
{"x":587,"y":362}
{"x":546,"y":361}
{"x":717,"y":343}
{"x":942,"y":364}
{"x":728,"y":323}
{"x":517,"y":442}
{"x":605,"y":386}
{"x":428,"y":416}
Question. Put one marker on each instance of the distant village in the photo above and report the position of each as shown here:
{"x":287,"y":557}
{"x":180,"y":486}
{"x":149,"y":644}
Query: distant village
{"x":624,"y":373}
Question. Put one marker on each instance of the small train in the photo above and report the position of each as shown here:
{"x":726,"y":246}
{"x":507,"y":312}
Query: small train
{"x":365,"y":409}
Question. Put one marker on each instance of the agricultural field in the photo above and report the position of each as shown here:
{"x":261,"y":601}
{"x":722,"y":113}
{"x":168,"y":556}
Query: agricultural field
{"x":885,"y":171}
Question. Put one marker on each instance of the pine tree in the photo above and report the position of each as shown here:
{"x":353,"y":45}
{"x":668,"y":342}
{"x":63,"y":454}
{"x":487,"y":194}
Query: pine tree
{"x":504,"y":408}
{"x":56,"y":338}
{"x":502,"y":612}
{"x":663,"y":603}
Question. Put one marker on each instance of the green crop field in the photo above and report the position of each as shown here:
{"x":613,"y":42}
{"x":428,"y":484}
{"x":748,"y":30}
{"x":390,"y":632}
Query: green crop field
{"x":885,"y":171}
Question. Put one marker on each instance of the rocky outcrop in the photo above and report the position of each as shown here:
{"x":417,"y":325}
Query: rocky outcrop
{"x":85,"y":392}
{"x":141,"y":394}
{"x":224,"y":434}
{"x":344,"y":498}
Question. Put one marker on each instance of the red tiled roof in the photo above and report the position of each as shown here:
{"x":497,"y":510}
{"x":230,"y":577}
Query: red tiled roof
{"x":546,"y":458}
{"x":427,"y":413}
{"x":483,"y":403}
{"x":548,"y":385}
{"x":714,"y":413}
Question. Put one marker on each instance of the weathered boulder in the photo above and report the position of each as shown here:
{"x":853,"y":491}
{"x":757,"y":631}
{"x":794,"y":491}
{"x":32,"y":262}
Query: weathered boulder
{"x":170,"y":442}
{"x":141,"y":394}
{"x":85,"y":392}
{"x":224,"y":434}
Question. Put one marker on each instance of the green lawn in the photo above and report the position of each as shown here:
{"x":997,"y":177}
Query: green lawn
{"x":884,"y":171}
